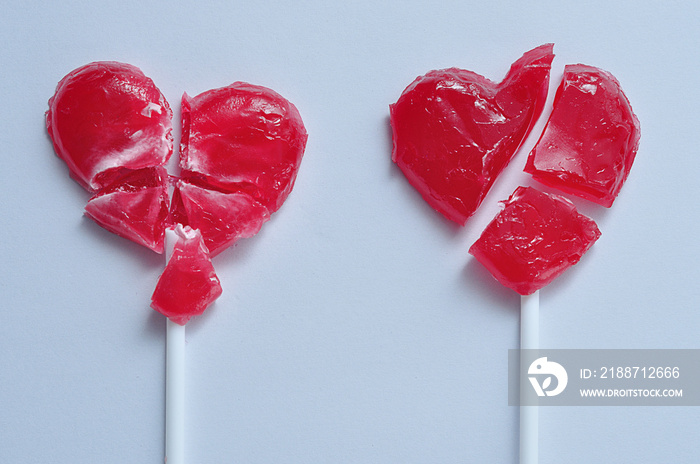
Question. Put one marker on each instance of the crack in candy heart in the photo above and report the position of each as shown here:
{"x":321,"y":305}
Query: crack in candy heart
{"x":454,"y":131}
{"x":586,"y":149}
{"x":135,"y":208}
{"x":243,"y":138}
{"x":224,"y":216}
{"x":240,"y":152}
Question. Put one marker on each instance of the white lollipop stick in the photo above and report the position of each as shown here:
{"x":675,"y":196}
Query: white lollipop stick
{"x":529,"y":415}
{"x":174,"y":379}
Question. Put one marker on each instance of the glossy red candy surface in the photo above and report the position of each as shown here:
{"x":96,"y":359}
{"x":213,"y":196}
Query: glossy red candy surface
{"x":134,"y":208}
{"x":107,"y":118}
{"x":188,"y":284}
{"x":221,"y":217}
{"x":591,"y":139}
{"x":533,"y":240}
{"x":454,"y":131}
{"x":243,"y":138}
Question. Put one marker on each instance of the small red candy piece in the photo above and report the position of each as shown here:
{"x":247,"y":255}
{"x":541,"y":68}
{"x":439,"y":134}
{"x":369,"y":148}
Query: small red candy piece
{"x":243,"y":138}
{"x":534,"y":239}
{"x":221,"y":217}
{"x":188,"y":284}
{"x":454,"y":131}
{"x":135,"y":208}
{"x":590,"y":141}
{"x":107,"y":118}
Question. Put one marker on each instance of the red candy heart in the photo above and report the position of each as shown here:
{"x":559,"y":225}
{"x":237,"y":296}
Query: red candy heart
{"x":454,"y":131}
{"x":241,"y":150}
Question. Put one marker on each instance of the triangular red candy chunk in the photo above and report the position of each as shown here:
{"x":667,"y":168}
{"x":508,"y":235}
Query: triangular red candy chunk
{"x":189,"y":283}
{"x":221,"y":217}
{"x":135,"y":208}
{"x":454,"y":131}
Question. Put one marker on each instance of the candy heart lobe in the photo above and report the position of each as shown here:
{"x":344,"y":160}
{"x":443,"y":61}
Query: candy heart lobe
{"x":243,"y":138}
{"x":106,"y":119}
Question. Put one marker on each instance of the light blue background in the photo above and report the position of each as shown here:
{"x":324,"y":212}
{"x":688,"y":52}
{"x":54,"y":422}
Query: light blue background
{"x":354,"y":328}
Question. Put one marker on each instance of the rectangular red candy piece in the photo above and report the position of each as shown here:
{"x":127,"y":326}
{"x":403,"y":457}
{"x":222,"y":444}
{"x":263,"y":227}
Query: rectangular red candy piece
{"x":533,"y":240}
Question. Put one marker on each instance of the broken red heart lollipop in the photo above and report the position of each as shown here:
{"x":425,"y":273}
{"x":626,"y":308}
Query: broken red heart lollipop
{"x":241,"y":149}
{"x":533,"y":240}
{"x":591,"y":139}
{"x":454,"y":131}
{"x":243,"y":138}
{"x":106,"y":119}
